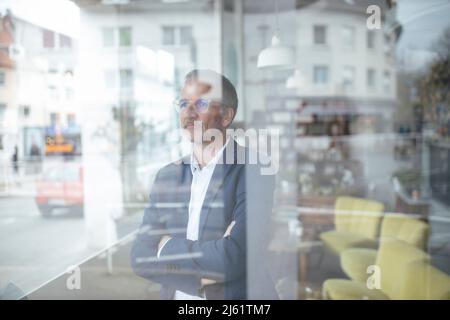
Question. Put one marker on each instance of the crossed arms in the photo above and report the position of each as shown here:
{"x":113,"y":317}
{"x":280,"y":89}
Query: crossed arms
{"x":184,"y":263}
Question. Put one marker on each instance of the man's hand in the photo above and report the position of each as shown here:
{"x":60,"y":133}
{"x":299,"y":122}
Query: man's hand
{"x":228,"y":232}
{"x":163,"y":241}
{"x":205,"y":281}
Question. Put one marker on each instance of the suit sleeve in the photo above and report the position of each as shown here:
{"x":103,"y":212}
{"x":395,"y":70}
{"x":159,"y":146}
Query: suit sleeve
{"x":224,"y":256}
{"x":144,"y":260}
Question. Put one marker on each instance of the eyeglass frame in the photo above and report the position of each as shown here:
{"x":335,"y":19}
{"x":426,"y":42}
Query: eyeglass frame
{"x":176,"y":104}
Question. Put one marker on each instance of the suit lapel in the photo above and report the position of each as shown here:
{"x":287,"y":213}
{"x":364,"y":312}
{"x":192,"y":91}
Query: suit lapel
{"x":221,"y":171}
{"x":184,"y":189}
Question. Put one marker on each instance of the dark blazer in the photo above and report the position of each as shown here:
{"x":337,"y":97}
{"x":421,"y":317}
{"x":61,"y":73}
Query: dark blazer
{"x":183,"y":262}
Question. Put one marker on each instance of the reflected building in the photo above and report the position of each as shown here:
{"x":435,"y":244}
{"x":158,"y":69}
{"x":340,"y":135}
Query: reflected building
{"x":8,"y":105}
{"x":38,"y":72}
{"x":341,"y":69}
{"x":132,"y":65}
{"x":341,"y":88}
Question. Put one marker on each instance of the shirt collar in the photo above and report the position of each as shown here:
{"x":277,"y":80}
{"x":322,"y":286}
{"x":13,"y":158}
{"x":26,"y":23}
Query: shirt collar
{"x":195,"y":165}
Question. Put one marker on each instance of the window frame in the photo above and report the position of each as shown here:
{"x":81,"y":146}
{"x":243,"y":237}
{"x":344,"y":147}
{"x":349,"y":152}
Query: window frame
{"x":371,"y":71}
{"x":47,"y":32}
{"x":177,"y":31}
{"x":316,"y":27}
{"x":350,"y":45}
{"x":348,"y":87}
{"x":317,"y":72}
{"x":123,"y":80}
{"x":371,"y":38}
{"x":115,"y":39}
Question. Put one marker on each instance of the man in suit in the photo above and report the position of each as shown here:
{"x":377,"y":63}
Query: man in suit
{"x":199,"y":230}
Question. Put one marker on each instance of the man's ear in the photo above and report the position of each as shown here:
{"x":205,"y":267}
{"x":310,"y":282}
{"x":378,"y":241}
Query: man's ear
{"x":227,"y":117}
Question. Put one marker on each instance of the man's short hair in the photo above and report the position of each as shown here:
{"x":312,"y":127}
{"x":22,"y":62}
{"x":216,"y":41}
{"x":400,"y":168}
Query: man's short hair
{"x":229,"y":95}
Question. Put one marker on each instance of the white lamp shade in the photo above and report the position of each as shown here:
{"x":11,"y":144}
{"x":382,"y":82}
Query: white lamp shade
{"x":276,"y":56}
{"x":296,"y":80}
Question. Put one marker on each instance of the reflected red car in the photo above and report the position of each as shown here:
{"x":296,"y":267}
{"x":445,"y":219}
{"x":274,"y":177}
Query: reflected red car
{"x":61,"y":186}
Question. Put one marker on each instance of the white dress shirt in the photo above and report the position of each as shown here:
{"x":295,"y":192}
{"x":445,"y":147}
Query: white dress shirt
{"x":200,"y":182}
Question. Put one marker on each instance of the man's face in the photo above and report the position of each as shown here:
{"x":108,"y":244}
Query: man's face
{"x":212,"y":117}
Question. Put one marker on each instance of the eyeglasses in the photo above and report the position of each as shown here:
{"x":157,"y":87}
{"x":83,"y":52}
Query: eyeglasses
{"x":200,"y":105}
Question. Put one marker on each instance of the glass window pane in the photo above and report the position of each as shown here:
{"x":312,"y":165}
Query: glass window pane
{"x":387,"y":81}
{"x":185,"y":35}
{"x":348,"y":79}
{"x":2,"y":112}
{"x":168,"y":36}
{"x":54,"y":118}
{"x":71,"y":120}
{"x":348,"y":36}
{"x":110,"y":77}
{"x":65,"y":41}
{"x":358,"y":120}
{"x":371,"y":78}
{"x":125,"y":36}
{"x":387,"y":45}
{"x":320,"y":35}
{"x":108,"y":37}
{"x":371,"y":39}
{"x":320,"y":74}
{"x":126,"y":78}
{"x":48,"y":39}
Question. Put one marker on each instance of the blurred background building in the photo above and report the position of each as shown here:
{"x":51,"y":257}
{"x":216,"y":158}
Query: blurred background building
{"x":86,"y":92}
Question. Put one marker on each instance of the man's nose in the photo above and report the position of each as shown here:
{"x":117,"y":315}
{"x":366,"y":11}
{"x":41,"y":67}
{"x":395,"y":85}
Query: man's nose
{"x":191,"y":109}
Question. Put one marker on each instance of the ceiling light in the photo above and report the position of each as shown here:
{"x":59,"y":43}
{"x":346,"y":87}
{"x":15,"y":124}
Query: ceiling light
{"x":297,"y":80}
{"x":276,"y":56}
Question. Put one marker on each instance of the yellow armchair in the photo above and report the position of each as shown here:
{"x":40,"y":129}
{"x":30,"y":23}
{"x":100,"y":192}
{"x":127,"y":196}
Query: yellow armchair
{"x":404,"y":273}
{"x":357,"y":224}
{"x":354,"y":261}
{"x":424,"y":282}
